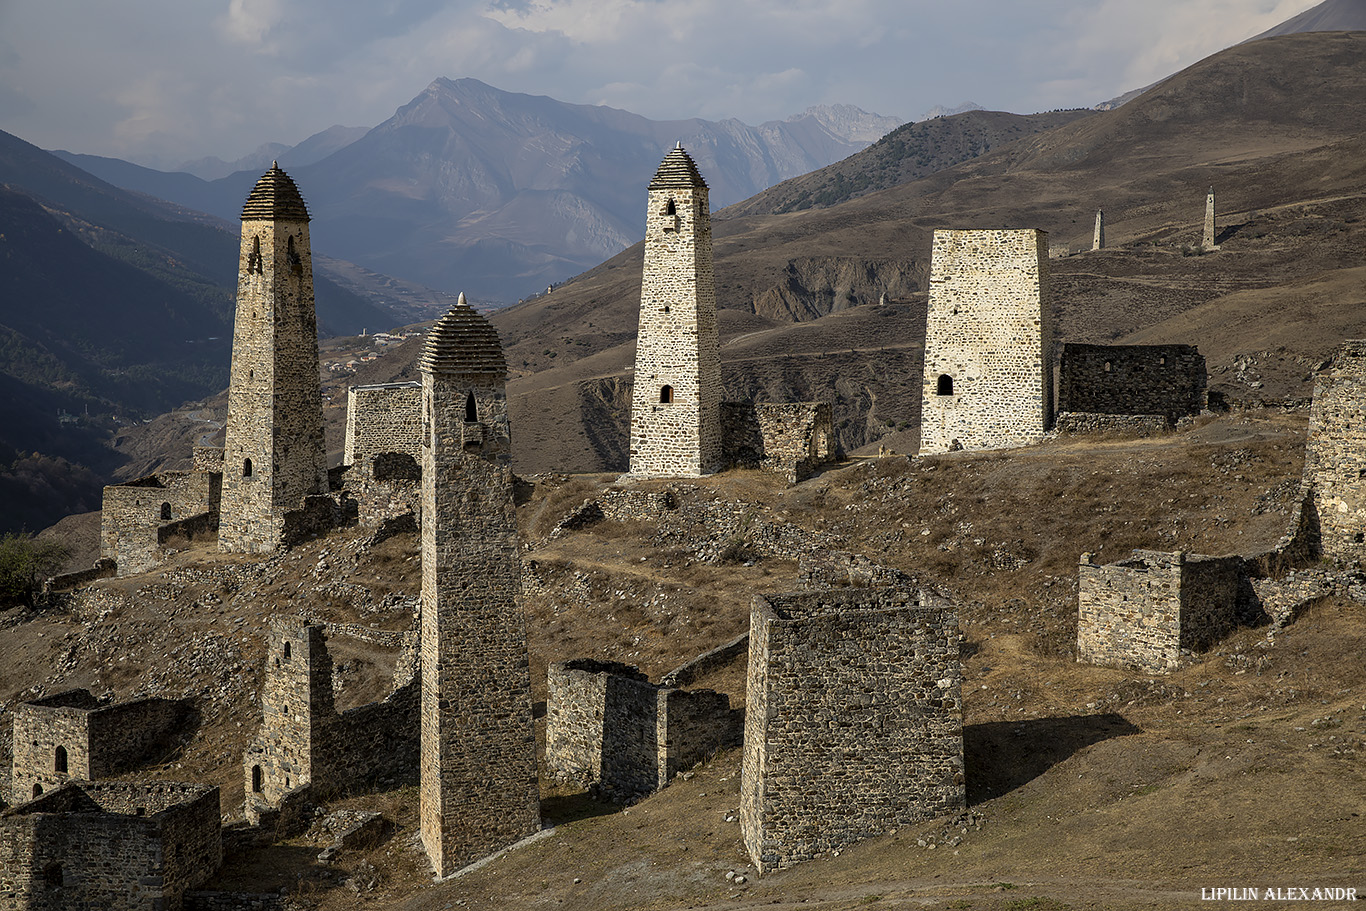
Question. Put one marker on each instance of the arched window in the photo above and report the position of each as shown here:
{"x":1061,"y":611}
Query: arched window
{"x":254,"y":258}
{"x":292,"y":257}
{"x":670,"y":216}
{"x":165,"y":512}
{"x":666,"y":394}
{"x":37,"y":790}
{"x":246,"y":468}
{"x":671,"y":209}
{"x":945,"y":385}
{"x":59,"y":761}
{"x":256,"y":779}
{"x":471,"y":410}
{"x":286,"y":652}
{"x":1108,"y":366}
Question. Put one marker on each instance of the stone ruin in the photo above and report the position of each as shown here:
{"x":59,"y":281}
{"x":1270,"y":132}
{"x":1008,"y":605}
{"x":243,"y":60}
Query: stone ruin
{"x":1147,"y":610}
{"x":139,"y":518}
{"x":988,"y":380}
{"x":792,"y":441}
{"x":111,"y":845}
{"x":304,"y":742}
{"x":1335,"y":454}
{"x":380,"y":418}
{"x":1110,"y":387}
{"x":854,"y":719}
{"x":74,"y":736}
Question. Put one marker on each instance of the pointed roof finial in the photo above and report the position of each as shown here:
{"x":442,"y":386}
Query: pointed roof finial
{"x":461,"y":302}
{"x":463,"y":341}
{"x":678,"y":144}
{"x":275,"y":196}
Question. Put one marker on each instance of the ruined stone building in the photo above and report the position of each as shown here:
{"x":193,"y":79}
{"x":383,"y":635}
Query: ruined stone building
{"x":72,"y":735}
{"x":111,"y":845}
{"x":273,"y":454}
{"x":676,"y":394}
{"x":1335,"y":454}
{"x":854,"y":719}
{"x":1167,"y":381}
{"x":384,"y":417}
{"x":988,"y":342}
{"x":608,"y":727}
{"x":304,"y":741}
{"x":478,"y":790}
{"x":791,"y":440}
{"x":1145,"y":610}
{"x":138,"y":518}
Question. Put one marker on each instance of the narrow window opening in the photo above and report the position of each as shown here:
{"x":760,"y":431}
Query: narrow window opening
{"x":1107,"y":366}
{"x":671,"y":209}
{"x":256,"y":779}
{"x":37,"y":790}
{"x":52,"y":875}
{"x":945,"y":385}
{"x":286,"y":783}
{"x":165,"y":512}
{"x":471,"y":410}
{"x":254,"y":258}
{"x":1359,"y":538}
{"x":296,"y":264}
{"x":246,"y":468}
{"x":666,"y":395}
{"x":140,"y":811}
{"x":1162,"y":362}
{"x":286,"y":651}
{"x":59,"y":761}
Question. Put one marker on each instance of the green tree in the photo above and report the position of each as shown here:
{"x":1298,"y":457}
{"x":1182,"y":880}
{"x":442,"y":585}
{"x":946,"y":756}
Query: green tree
{"x":24,"y":562}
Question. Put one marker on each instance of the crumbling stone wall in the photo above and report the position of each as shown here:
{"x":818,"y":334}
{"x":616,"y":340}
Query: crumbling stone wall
{"x":1090,"y":422}
{"x":133,"y":514}
{"x":109,"y":845}
{"x":676,"y":393}
{"x":854,"y":719}
{"x":71,"y":735}
{"x":988,"y":341}
{"x":791,"y":440}
{"x":608,"y":726}
{"x":1335,"y":454}
{"x":1169,"y":380}
{"x":1143,"y":611}
{"x":385,"y":486}
{"x":303,"y":741}
{"x":385,"y":417}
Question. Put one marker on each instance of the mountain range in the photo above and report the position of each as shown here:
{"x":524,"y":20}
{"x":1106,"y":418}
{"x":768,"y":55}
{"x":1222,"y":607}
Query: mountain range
{"x":498,"y":194}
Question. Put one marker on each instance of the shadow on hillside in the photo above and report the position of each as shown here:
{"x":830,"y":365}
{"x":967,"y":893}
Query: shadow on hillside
{"x":562,"y":808}
{"x":1228,"y":232}
{"x":1002,"y":755}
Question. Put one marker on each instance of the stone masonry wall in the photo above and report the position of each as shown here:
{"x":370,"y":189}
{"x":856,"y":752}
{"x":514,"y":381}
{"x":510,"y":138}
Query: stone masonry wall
{"x":608,"y":727}
{"x":988,"y":357}
{"x":676,"y":393}
{"x":1132,"y":379}
{"x":1141,"y":612}
{"x":385,"y":417}
{"x":791,"y":440}
{"x":854,"y":719}
{"x":1091,"y":422}
{"x":111,"y":846}
{"x":1335,"y":454}
{"x":133,"y":513}
{"x":99,"y":741}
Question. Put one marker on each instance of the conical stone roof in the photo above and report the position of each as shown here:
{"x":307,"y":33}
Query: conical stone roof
{"x":462,"y":341}
{"x":677,"y":172}
{"x":275,"y":197}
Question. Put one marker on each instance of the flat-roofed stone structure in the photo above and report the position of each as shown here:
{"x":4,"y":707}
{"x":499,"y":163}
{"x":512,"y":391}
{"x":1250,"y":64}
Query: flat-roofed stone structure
{"x":384,"y":417}
{"x":988,"y":342}
{"x":1166,"y":380}
{"x":854,"y":719}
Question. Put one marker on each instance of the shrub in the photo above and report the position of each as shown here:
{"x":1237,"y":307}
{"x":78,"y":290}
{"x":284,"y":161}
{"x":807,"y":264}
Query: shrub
{"x":24,"y":562}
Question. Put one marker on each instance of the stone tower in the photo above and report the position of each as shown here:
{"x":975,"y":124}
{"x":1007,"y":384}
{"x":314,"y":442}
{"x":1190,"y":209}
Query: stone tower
{"x":988,"y":342}
{"x":676,"y":396}
{"x":478,"y":786}
{"x":296,"y":703}
{"x":1207,"y":242}
{"x":273,"y":451}
{"x":1098,"y":239}
{"x":1334,"y":467}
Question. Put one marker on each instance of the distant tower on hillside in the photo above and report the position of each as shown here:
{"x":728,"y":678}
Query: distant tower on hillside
{"x":988,"y":342}
{"x":676,"y":395}
{"x":1208,"y":241}
{"x":273,"y":451}
{"x":478,"y":790}
{"x":1098,"y":239}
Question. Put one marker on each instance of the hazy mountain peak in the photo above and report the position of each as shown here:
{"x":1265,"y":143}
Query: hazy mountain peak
{"x":940,"y":111}
{"x":1329,"y":16}
{"x":850,"y":123}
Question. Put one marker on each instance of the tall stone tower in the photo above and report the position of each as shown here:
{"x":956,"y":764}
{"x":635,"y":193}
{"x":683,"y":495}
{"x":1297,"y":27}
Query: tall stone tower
{"x":988,"y":342}
{"x":478,"y":786}
{"x":676,"y":396}
{"x":1098,"y":239}
{"x":1207,"y":242}
{"x":273,"y":451}
{"x":296,"y":705}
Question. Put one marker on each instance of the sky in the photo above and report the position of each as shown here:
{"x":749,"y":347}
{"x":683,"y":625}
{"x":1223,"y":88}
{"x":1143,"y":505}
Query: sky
{"x":161,"y":82}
